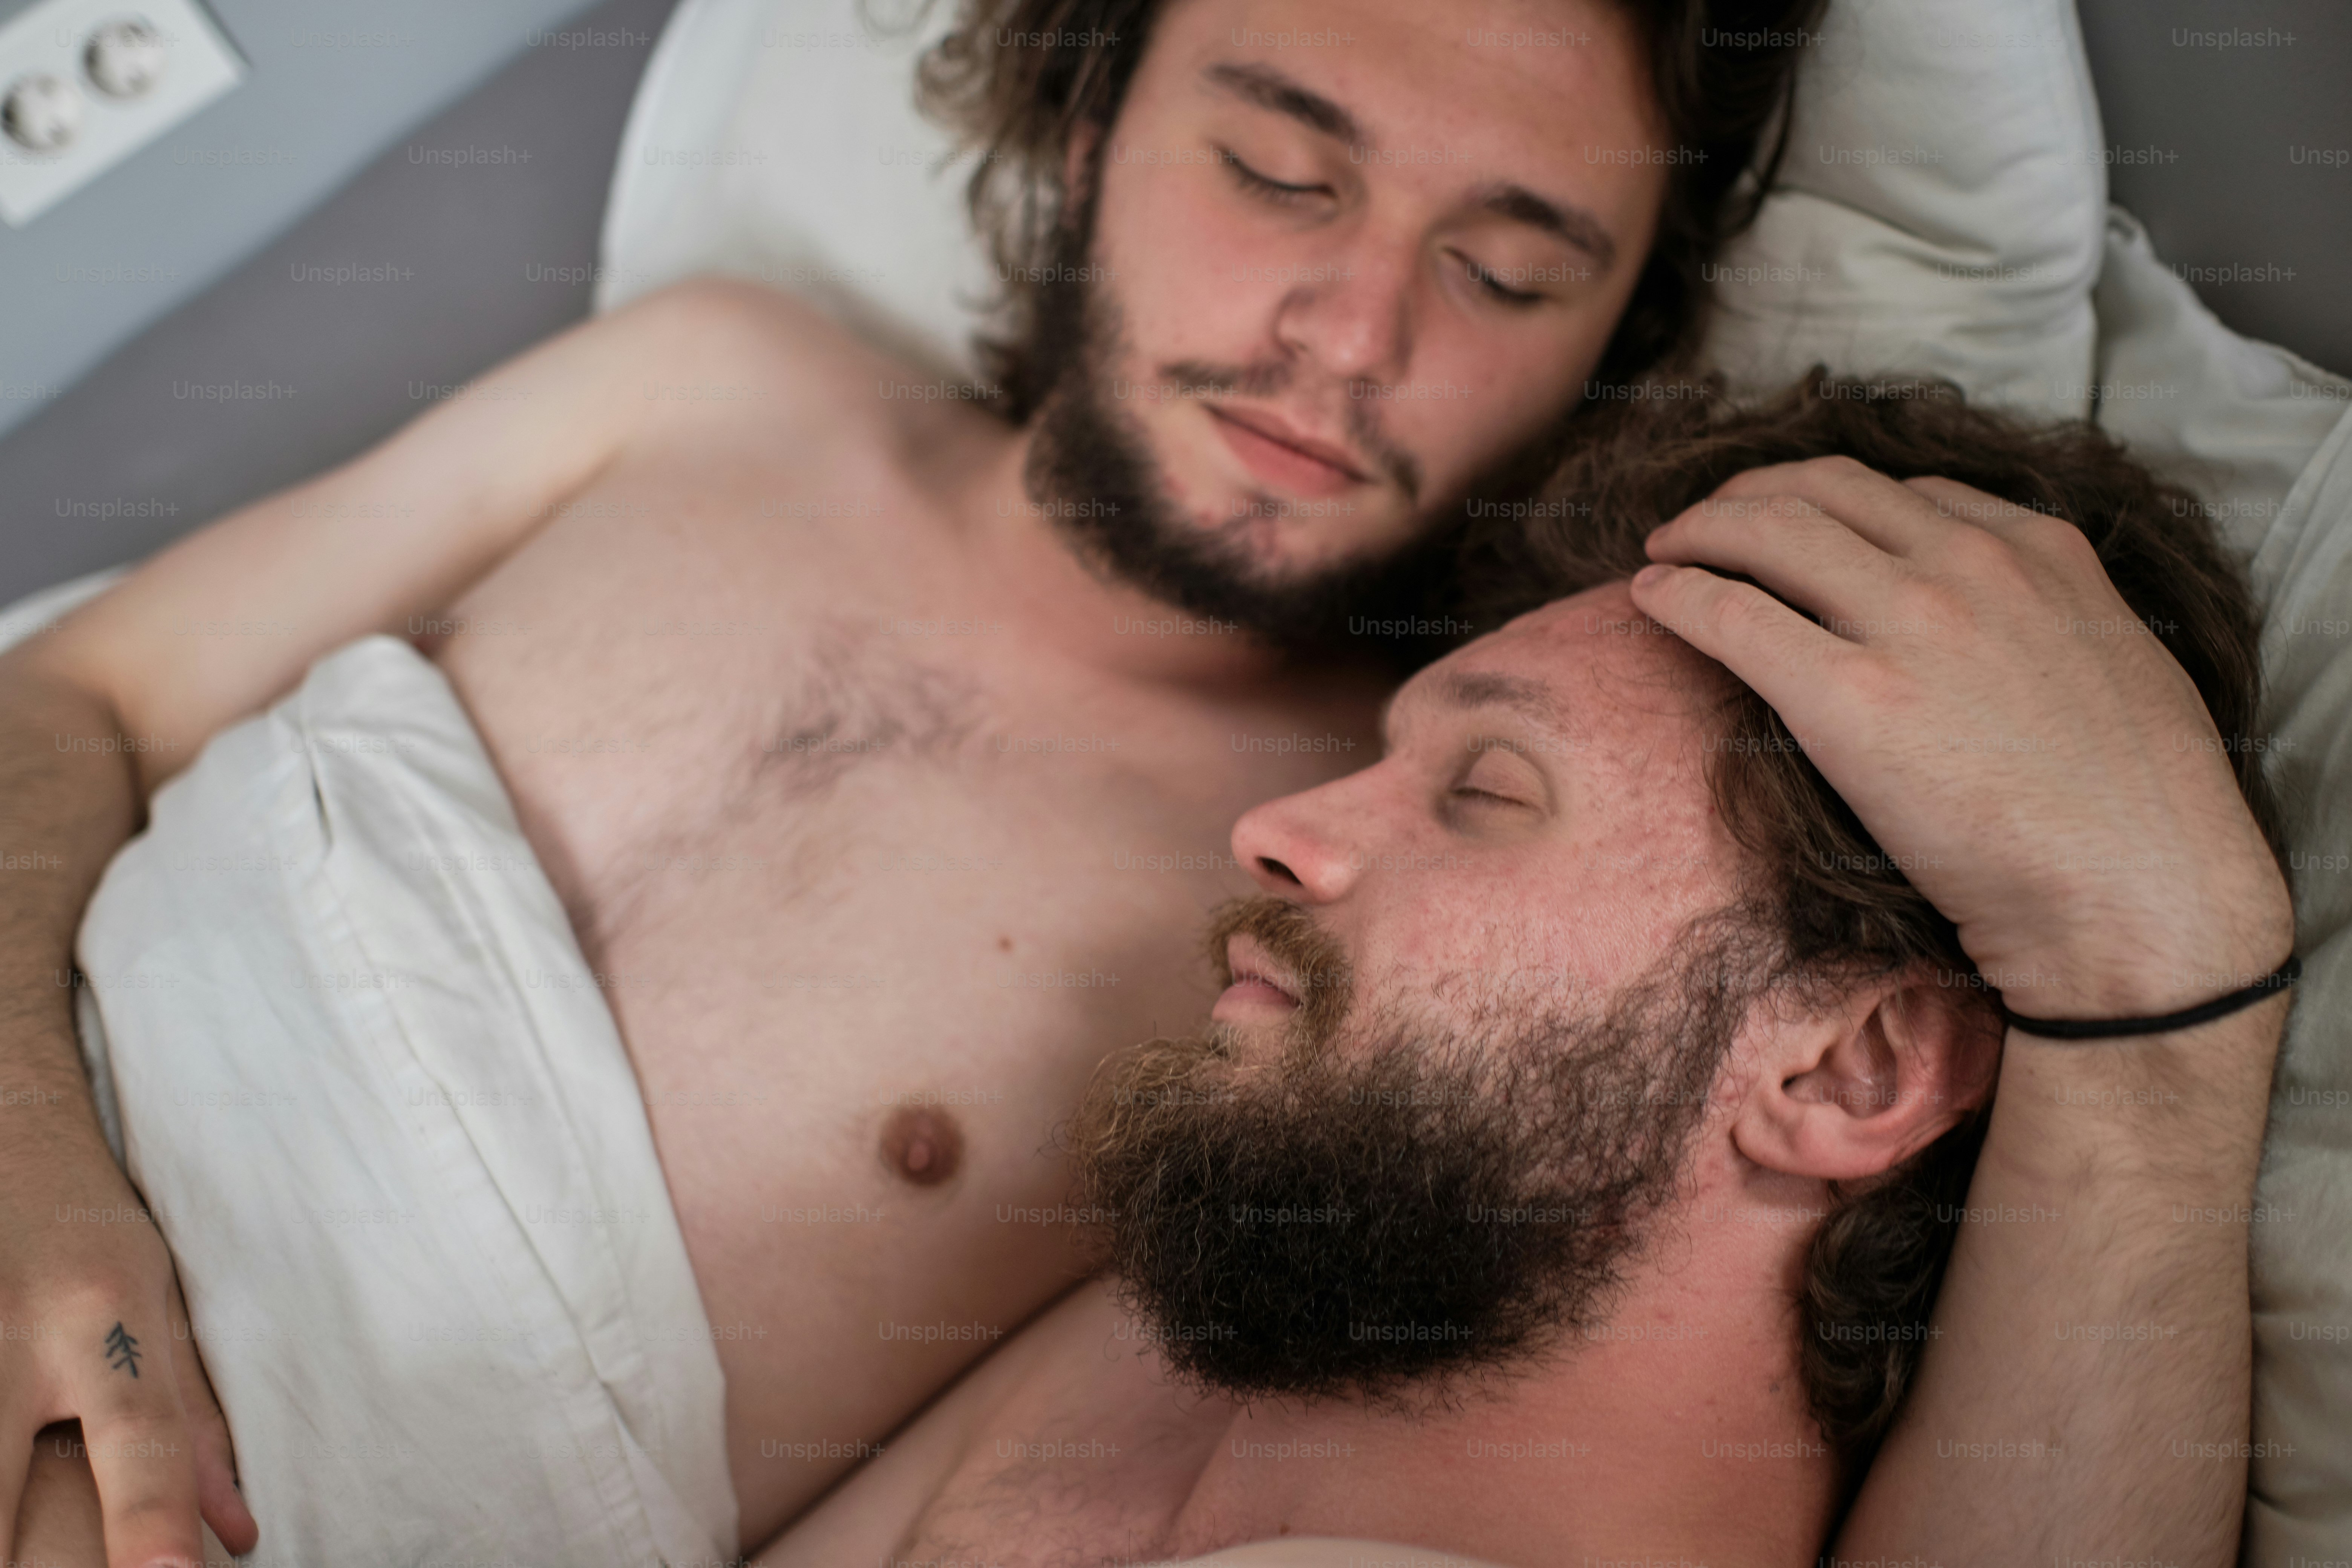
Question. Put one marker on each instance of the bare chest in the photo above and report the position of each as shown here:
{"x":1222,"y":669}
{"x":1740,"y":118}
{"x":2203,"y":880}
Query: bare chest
{"x":793,"y":787}
{"x":871,"y":886}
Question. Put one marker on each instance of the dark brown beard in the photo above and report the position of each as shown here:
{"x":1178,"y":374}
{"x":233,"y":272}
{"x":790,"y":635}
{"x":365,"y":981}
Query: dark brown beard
{"x":1094,"y":469}
{"x":1387,"y":1209}
{"x":1092,"y":466}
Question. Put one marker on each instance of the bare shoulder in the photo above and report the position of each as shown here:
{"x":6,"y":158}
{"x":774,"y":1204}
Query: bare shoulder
{"x":1333,"y":1553}
{"x":732,"y":323}
{"x":708,"y":341}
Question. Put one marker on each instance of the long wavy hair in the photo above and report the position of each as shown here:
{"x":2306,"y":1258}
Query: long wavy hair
{"x":1831,"y":898}
{"x":1016,"y":79}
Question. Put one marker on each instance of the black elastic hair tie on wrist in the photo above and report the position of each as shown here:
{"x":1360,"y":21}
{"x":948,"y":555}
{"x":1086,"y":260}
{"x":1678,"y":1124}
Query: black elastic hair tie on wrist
{"x":2279,"y":979}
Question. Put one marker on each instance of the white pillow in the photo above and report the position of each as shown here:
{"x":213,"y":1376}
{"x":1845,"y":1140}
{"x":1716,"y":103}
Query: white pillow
{"x":1943,"y":210}
{"x":771,"y":138}
{"x":1940,"y":210}
{"x":778,"y":140}
{"x":2266,"y":438}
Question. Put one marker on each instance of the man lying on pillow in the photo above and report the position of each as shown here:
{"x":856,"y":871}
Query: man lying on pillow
{"x":1568,"y":1168}
{"x":829,"y":696}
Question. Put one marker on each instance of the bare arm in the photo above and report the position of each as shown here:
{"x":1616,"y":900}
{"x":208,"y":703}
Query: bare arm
{"x":2087,"y":1396}
{"x":2085,"y":1392}
{"x":209,"y":631}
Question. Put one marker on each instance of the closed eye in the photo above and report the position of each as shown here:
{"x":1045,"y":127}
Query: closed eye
{"x":1262,"y":186}
{"x":1485,"y":796}
{"x":1483,"y":276}
{"x":1472,"y":788}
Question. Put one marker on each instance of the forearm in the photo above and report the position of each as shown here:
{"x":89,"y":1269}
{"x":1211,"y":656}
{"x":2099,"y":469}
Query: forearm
{"x":2085,"y":1391}
{"x":101,"y":710}
{"x":69,"y":799}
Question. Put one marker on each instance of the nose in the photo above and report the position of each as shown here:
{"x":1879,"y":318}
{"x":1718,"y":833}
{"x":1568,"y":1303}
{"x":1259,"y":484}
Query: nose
{"x":1301,"y":846}
{"x":1356,"y":321}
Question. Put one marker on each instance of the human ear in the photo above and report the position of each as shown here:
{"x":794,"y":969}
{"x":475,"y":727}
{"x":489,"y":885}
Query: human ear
{"x":1847,"y":1093}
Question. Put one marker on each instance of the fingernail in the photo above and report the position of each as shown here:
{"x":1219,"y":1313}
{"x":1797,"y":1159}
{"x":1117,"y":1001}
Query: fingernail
{"x":1649,"y":574}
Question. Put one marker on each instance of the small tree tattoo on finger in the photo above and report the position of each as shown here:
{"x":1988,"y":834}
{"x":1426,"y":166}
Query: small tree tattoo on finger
{"x":122,"y":1350}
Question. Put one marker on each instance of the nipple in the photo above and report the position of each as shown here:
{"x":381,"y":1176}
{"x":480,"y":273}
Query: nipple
{"x":923,"y":1145}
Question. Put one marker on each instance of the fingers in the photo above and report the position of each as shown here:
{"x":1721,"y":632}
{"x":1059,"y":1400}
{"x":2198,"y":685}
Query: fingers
{"x":1791,"y":546}
{"x":1922,"y":520}
{"x":1867,"y":554}
{"x":222,"y":1504}
{"x":1889,"y":514}
{"x":1972,"y":507}
{"x":1785,"y":657}
{"x":2044,"y":536}
{"x":139,"y":1446}
{"x":16,"y":1425}
{"x":1962,"y":504}
{"x":58,"y":1523}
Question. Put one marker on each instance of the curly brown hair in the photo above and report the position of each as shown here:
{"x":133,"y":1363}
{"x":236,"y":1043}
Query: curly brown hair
{"x":1830,"y":898}
{"x":1016,"y":80}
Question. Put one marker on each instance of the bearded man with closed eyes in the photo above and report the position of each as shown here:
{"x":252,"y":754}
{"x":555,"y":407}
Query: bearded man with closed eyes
{"x":718,"y":818}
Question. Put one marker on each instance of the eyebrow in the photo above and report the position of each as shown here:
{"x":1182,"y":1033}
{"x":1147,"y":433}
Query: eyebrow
{"x":1465,"y":689}
{"x":1570,"y":225}
{"x":1531,"y":700}
{"x":1271,"y":90}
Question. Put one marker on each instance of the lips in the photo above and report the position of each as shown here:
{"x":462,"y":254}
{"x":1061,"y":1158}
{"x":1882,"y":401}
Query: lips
{"x":1281,"y":456}
{"x":1259,"y":987}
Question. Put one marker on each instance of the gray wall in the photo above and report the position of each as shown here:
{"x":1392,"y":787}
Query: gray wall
{"x":455,"y":248}
{"x":2202,"y":137}
{"x":330,"y":83}
{"x":468,"y":239}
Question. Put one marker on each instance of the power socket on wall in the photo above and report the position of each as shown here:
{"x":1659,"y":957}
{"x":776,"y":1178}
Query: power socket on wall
{"x":86,"y":83}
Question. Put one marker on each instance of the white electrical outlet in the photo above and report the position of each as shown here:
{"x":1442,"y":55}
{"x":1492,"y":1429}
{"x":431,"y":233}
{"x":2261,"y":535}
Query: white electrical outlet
{"x":86,"y":83}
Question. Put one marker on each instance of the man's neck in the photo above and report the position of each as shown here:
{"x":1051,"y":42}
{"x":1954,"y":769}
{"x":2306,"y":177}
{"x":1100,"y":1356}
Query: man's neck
{"x":1027,"y":563}
{"x":1678,"y":1430}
